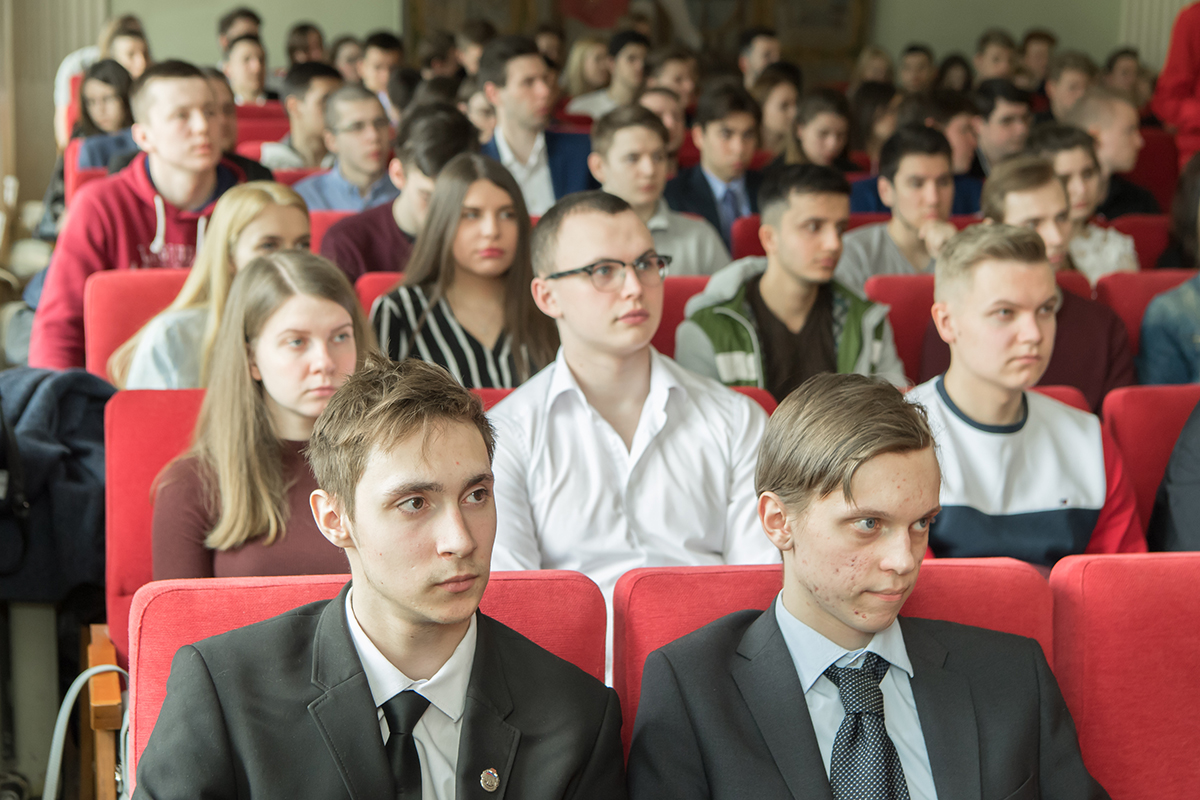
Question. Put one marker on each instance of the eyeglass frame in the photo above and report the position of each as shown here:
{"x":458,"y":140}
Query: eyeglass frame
{"x":590,"y":271}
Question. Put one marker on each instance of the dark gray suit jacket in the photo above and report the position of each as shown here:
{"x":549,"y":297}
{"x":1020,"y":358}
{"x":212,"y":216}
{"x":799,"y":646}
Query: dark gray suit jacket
{"x":722,"y":715}
{"x":282,"y":709}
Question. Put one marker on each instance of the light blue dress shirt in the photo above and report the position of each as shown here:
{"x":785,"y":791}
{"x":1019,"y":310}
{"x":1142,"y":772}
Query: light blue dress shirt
{"x":330,"y":191}
{"x":719,"y":188}
{"x":812,"y":654}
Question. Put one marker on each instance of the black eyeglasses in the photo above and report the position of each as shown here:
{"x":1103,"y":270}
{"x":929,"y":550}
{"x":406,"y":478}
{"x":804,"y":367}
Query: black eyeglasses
{"x":608,"y":274}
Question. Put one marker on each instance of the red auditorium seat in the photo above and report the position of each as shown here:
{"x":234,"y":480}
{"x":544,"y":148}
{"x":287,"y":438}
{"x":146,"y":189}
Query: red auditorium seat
{"x":272,"y":109}
{"x":1074,"y":282}
{"x":1125,"y":644}
{"x":655,"y":606}
{"x":143,"y":431}
{"x":1145,"y":421}
{"x":371,"y":285}
{"x":761,"y":159}
{"x":73,"y":176}
{"x":744,"y":236}
{"x":491,"y":396}
{"x":117,"y":303}
{"x":251,"y":149}
{"x":1150,"y":232}
{"x":689,"y":154}
{"x":867,"y":218}
{"x":73,"y":104}
{"x":1129,"y":293}
{"x":760,"y":396}
{"x":290,"y":177}
{"x":264,"y":129}
{"x":580,"y":123}
{"x":321,"y":221}
{"x":1069,"y":395}
{"x":677,"y":290}
{"x":559,"y":610}
{"x":1157,"y":167}
{"x":861,"y":160}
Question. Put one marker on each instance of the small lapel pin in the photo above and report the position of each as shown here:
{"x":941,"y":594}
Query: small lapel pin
{"x":489,"y":779}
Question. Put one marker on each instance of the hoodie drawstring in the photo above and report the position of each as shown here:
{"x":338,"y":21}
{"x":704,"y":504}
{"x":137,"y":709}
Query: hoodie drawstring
{"x":160,"y":225}
{"x":201,"y":225}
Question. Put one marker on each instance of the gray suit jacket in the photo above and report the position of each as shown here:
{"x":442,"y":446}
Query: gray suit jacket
{"x":722,"y":715}
{"x":282,"y":709}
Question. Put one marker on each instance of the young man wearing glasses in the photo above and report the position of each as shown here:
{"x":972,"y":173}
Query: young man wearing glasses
{"x":615,"y":457}
{"x":357,"y":132}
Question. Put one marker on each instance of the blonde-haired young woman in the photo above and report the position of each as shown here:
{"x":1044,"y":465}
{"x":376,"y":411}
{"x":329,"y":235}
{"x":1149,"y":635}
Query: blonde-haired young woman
{"x":587,"y":66}
{"x":237,"y":502}
{"x":172,"y":351}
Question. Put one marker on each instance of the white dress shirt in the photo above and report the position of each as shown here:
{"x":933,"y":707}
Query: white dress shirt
{"x":533,"y":176}
{"x":570,"y":495}
{"x":440,"y":727}
{"x":812,"y":654}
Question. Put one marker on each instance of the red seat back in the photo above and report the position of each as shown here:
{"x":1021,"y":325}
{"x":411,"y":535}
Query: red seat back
{"x":867,"y":218}
{"x":73,"y":176}
{"x":655,"y":606}
{"x":1157,"y":167}
{"x":744,"y":237}
{"x":263,"y":129}
{"x":272,"y":109}
{"x":1128,"y":294}
{"x":73,"y":103}
{"x":1124,"y":643}
{"x":910,"y":298}
{"x":143,"y":431}
{"x":321,"y":221}
{"x":251,"y":149}
{"x":491,"y":396}
{"x":761,"y":159}
{"x":689,"y":154}
{"x":1074,"y":282}
{"x":1145,"y":422}
{"x":760,"y":396}
{"x":371,"y":285}
{"x":290,"y":177}
{"x":677,"y":290}
{"x":1150,"y":232}
{"x":861,"y":160}
{"x":1069,"y":395}
{"x":117,"y":303}
{"x":561,"y":611}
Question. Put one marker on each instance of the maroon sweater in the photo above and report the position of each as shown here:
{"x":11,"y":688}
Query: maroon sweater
{"x":1091,"y":351}
{"x":183,"y":517}
{"x":368,"y":242}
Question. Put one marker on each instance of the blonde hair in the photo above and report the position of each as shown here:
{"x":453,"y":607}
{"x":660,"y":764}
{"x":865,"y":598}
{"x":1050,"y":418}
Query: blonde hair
{"x":207,"y":285}
{"x":576,"y":85}
{"x":829,"y":427}
{"x":970,"y":247}
{"x":869,"y":53}
{"x":235,"y":442}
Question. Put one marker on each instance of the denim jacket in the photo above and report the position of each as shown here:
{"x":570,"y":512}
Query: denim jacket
{"x":1170,"y":346}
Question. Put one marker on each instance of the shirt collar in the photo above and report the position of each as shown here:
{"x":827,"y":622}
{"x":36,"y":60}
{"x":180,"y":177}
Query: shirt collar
{"x":720,"y":187}
{"x":662,"y":217}
{"x":506,"y":154}
{"x":662,"y":382}
{"x":812,"y":653}
{"x":447,"y":689}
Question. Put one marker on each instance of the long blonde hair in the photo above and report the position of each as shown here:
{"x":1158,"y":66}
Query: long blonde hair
{"x":235,"y":442}
{"x":207,"y":286}
{"x":576,"y":85}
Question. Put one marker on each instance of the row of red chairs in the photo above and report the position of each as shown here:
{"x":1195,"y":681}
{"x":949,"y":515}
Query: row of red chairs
{"x":1101,"y":620}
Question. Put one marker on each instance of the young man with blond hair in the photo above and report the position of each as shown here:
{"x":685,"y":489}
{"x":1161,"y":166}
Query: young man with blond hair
{"x":829,"y":693}
{"x":398,"y":687}
{"x":1023,"y":475}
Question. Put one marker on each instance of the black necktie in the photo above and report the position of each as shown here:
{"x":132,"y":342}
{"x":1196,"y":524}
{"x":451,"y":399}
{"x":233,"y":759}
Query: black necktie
{"x":402,"y":713}
{"x":864,"y":764}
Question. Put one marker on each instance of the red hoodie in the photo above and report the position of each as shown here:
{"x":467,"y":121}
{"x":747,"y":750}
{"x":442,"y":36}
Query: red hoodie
{"x":1177,"y":93}
{"x":120,"y":222}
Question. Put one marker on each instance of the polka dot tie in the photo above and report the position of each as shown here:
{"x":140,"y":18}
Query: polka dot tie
{"x":864,"y":764}
{"x":402,"y":713}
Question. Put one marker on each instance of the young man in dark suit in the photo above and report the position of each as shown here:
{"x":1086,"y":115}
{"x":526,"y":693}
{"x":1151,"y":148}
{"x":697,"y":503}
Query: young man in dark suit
{"x":398,"y":687}
{"x":547,"y":165}
{"x":722,"y":187}
{"x":827,"y":694}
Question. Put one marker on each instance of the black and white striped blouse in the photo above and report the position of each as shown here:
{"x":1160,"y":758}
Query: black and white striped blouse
{"x":441,"y":340}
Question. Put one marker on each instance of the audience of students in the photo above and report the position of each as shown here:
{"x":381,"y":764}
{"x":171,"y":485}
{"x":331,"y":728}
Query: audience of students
{"x":667,"y":106}
{"x":344,"y":55}
{"x":821,"y":133}
{"x":234,"y":24}
{"x":629,"y":159}
{"x":1171,"y":525}
{"x":1115,"y":125}
{"x":1095,"y":251}
{"x":626,"y":66}
{"x":356,"y":133}
{"x":245,"y":65}
{"x":952,"y":113}
{"x":1002,"y":124}
{"x":917,"y":71}
{"x":146,"y":216}
{"x":382,"y":238}
{"x":955,"y":73}
{"x":77,"y":62}
{"x":1070,"y":75}
{"x":758,"y":48}
{"x":305,"y":44}
{"x":915,"y":181}
{"x":305,"y":89}
{"x":777,"y":94}
{"x":174,"y":349}
{"x":722,"y":187}
{"x":465,"y":303}
{"x":775,"y":321}
{"x":873,"y":105}
{"x":383,"y":53}
{"x":673,"y":68}
{"x":237,"y":503}
{"x":1093,"y":352}
{"x":995,"y":56}
{"x":546,"y":164}
{"x":1037,"y":54}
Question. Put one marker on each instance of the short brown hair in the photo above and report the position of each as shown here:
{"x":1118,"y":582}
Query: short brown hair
{"x":381,"y":404}
{"x":1071,"y":61}
{"x":970,"y":247}
{"x":620,"y":118}
{"x":544,"y":242}
{"x":1094,"y":109}
{"x":1018,"y":174}
{"x":139,"y":101}
{"x":829,"y":427}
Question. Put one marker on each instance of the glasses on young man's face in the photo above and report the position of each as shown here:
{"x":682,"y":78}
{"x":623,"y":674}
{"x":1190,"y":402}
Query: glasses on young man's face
{"x":608,"y":274}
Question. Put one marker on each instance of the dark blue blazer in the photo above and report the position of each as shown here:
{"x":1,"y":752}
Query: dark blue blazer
{"x":567,"y":153}
{"x":689,"y":193}
{"x":864,"y":196}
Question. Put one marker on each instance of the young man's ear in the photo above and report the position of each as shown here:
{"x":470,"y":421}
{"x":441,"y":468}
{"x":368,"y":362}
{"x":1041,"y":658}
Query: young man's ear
{"x":544,"y":298}
{"x":291,"y":104}
{"x":887,"y":191}
{"x":775,"y":520}
{"x":767,"y":237}
{"x":395,"y":172}
{"x":697,"y":135}
{"x":140,"y":136}
{"x":943,"y":322}
{"x":595,"y":164}
{"x":330,"y":141}
{"x":492,"y":92}
{"x":330,"y":519}
{"x":977,"y":122}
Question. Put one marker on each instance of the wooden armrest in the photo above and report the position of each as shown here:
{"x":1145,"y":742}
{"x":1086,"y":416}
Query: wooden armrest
{"x":104,"y":690}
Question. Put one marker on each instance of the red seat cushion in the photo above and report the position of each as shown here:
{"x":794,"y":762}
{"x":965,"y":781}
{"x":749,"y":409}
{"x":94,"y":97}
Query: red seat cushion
{"x":1145,"y":422}
{"x":265,"y":129}
{"x":290,"y":177}
{"x":1128,"y":294}
{"x":760,"y":396}
{"x":1125,"y":645}
{"x":744,"y":237}
{"x":1070,"y":395}
{"x":117,"y":303}
{"x":251,"y":149}
{"x":321,"y":221}
{"x":677,"y":290}
{"x":491,"y":396}
{"x":370,"y":286}
{"x":1151,"y":233}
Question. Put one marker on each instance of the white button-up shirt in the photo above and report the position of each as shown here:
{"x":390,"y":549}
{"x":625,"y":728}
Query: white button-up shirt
{"x":812,"y":654}
{"x":533,"y":176}
{"x":437,"y":732}
{"x":570,"y":495}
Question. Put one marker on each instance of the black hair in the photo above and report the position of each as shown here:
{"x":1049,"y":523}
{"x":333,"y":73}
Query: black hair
{"x":430,"y":135}
{"x":822,"y":101}
{"x":300,"y":77}
{"x":436,"y":46}
{"x":917,"y":47}
{"x":780,"y":184}
{"x":1051,"y":138}
{"x":950,"y":62}
{"x":1038,"y":35}
{"x":723,"y":97}
{"x":622,"y":39}
{"x":1184,"y":209}
{"x":869,"y":99}
{"x":784,"y":71}
{"x":171,"y":68}
{"x":475,"y":31}
{"x":112,"y":73}
{"x":382,"y":40}
{"x":992,"y":90}
{"x":233,"y":15}
{"x":940,"y":105}
{"x":746,"y":40}
{"x":493,"y":64}
{"x":434,"y":90}
{"x":1071,"y":60}
{"x":297,"y":38}
{"x":997,"y":36}
{"x":402,"y":86}
{"x":910,"y":140}
{"x":657,"y":59}
{"x":545,"y":233}
{"x":1110,"y":63}
{"x":245,"y":37}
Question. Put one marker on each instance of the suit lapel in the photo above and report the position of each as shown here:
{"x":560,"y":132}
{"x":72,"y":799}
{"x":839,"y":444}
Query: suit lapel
{"x":346,"y":714}
{"x":706,"y":203}
{"x":487,"y":741}
{"x":947,"y":716}
{"x":558,"y":175}
{"x":490,"y":150}
{"x":766,"y":677}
